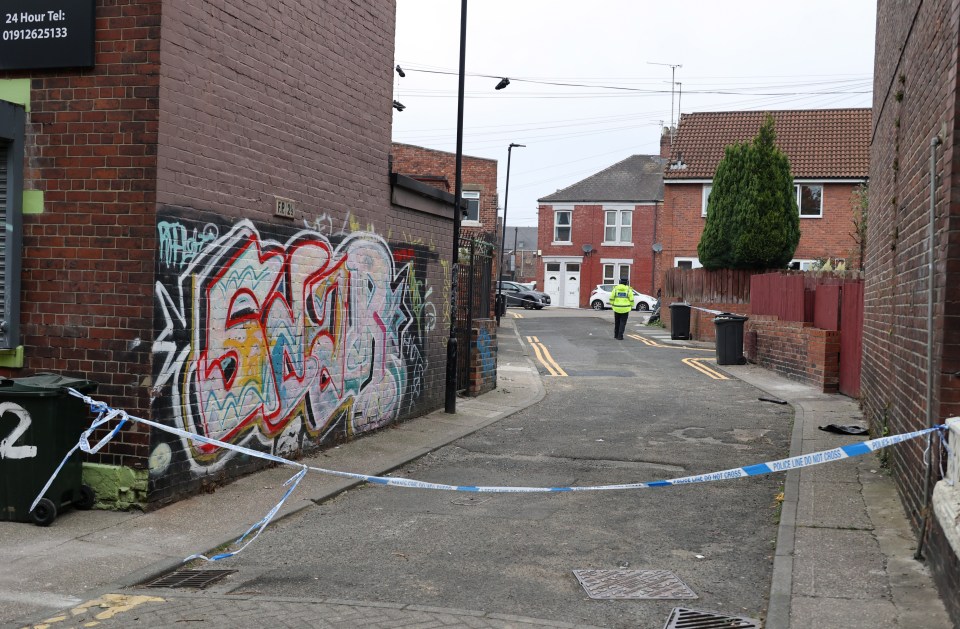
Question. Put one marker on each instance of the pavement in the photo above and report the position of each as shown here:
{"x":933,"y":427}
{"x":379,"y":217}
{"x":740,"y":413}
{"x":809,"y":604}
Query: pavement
{"x":844,"y":553}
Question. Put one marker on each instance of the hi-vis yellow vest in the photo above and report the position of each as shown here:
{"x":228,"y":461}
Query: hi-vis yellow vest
{"x":621,"y":298}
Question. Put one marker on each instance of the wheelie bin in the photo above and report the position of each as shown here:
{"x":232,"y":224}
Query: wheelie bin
{"x":39,"y":423}
{"x":730,"y":338}
{"x":680,"y":321}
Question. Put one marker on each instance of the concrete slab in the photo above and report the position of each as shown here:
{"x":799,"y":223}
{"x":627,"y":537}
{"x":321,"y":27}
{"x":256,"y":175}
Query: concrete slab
{"x":833,"y":563}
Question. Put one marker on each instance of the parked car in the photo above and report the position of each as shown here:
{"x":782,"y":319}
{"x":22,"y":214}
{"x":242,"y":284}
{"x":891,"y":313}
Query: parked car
{"x":600,"y":298}
{"x":518,"y":295}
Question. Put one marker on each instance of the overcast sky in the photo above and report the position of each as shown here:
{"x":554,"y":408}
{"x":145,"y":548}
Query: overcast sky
{"x":735,"y":55}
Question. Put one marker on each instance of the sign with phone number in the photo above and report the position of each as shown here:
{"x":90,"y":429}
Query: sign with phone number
{"x":46,"y":34}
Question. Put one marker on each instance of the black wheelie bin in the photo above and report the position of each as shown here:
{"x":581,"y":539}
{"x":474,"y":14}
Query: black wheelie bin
{"x":39,"y":423}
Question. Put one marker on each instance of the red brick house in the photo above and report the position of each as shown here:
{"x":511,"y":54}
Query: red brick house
{"x":208,"y":227}
{"x":438,"y":169}
{"x":914,"y":148}
{"x":600,"y":231}
{"x":828,"y":151}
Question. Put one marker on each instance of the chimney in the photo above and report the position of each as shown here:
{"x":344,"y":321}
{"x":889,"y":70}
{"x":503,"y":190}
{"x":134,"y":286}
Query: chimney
{"x":665,"y":144}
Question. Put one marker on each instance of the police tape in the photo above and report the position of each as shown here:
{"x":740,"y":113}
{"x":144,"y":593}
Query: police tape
{"x":718,"y":312}
{"x":105,"y":414}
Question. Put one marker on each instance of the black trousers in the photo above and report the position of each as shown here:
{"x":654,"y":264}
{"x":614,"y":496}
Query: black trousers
{"x":620,"y":324}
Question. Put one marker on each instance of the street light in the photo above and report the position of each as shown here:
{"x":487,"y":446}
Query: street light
{"x":450,"y":393}
{"x":503,"y":233}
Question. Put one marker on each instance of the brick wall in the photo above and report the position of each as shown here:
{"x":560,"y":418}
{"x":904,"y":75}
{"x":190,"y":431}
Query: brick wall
{"x":88,"y":259}
{"x":288,"y":99}
{"x":915,"y":98}
{"x":795,"y":350}
{"x":159,"y":269}
{"x":483,"y":357}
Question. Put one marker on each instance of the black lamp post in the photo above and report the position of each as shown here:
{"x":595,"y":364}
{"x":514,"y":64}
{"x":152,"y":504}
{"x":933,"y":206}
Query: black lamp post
{"x":503,"y":235}
{"x":450,"y":394}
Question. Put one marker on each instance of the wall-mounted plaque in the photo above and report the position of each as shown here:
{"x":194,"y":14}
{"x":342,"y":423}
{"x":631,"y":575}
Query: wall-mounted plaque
{"x":46,"y":34}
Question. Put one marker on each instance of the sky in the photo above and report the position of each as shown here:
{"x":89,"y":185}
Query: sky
{"x":590,"y":81}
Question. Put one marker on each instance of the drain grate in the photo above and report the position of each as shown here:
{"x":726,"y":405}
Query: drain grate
{"x":644,"y":584}
{"x":194,"y":579}
{"x":683,"y":618}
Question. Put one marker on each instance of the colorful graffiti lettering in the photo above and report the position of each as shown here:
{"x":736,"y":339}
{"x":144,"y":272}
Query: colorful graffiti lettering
{"x":267,"y":342}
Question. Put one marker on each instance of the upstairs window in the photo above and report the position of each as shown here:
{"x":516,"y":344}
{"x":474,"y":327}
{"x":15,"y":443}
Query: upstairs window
{"x":707,"y":189}
{"x":471,"y":205}
{"x":561,"y":226}
{"x":810,"y":200}
{"x":617,"y":227}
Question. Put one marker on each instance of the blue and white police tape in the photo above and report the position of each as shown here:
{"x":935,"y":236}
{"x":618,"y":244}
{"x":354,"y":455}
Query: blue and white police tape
{"x":106,"y":414}
{"x":716,"y":312}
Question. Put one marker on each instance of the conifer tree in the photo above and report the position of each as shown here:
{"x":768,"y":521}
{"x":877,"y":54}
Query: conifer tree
{"x":752,"y":217}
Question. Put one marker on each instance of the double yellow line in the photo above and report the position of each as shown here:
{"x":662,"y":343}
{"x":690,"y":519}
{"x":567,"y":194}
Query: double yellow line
{"x":545,"y":358}
{"x":652,"y":343}
{"x":697,"y":363}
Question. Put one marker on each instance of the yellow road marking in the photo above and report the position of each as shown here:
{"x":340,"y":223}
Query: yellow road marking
{"x":515,"y":315}
{"x":653,"y":343}
{"x":699,"y":366}
{"x":110,"y":604}
{"x":545,"y":358}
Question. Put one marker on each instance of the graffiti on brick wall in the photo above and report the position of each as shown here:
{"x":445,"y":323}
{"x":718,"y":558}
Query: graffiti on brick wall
{"x":179,"y":244}
{"x":267,"y":343}
{"x":488,"y":363}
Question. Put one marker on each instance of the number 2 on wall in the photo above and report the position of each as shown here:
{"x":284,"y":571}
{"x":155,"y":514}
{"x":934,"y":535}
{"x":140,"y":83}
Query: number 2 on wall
{"x":7,"y":449}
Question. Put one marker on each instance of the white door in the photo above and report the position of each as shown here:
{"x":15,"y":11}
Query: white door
{"x":551,"y":282}
{"x":571,"y":286}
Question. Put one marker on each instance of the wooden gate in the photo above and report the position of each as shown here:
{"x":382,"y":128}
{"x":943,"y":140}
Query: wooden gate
{"x":851,"y":338}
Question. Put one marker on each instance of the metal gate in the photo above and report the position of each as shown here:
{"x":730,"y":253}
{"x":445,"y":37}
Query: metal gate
{"x":474,"y":272}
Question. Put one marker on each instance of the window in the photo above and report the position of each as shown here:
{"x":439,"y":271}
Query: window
{"x":617,"y":227}
{"x":561,"y":226}
{"x":616,"y":273}
{"x":707,"y":189}
{"x":12,"y":127}
{"x":810,"y":200}
{"x":553,"y":267}
{"x":471,"y":205}
{"x":687,"y":263}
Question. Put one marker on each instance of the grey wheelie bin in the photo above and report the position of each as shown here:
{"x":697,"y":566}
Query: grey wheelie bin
{"x":39,"y":423}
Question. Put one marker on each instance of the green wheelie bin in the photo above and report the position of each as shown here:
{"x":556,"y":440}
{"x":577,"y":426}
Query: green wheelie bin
{"x":39,"y":423}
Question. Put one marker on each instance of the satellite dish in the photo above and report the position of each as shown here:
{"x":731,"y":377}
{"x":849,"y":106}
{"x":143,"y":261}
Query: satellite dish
{"x":657,"y":247}
{"x":587,"y":248}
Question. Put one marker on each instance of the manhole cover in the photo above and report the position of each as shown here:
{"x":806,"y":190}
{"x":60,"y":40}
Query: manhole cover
{"x":650,"y":584}
{"x":196,"y":579}
{"x":683,"y":618}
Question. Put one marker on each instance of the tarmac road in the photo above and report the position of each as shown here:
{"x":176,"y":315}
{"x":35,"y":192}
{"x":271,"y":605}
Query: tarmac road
{"x":625,"y":411}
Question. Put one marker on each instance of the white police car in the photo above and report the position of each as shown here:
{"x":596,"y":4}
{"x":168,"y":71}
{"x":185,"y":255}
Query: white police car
{"x":600,"y":298}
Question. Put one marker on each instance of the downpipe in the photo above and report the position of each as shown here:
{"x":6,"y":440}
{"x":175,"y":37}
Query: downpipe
{"x":935,"y":142}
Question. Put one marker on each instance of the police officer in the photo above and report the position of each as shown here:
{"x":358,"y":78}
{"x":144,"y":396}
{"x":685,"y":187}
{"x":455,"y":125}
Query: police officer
{"x":621,"y":300}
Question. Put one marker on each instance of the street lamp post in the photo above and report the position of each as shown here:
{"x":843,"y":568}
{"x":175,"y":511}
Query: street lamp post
{"x":503,"y":234}
{"x":450,"y":394}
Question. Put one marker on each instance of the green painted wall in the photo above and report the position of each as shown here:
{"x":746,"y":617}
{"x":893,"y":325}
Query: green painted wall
{"x":117,"y":488}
